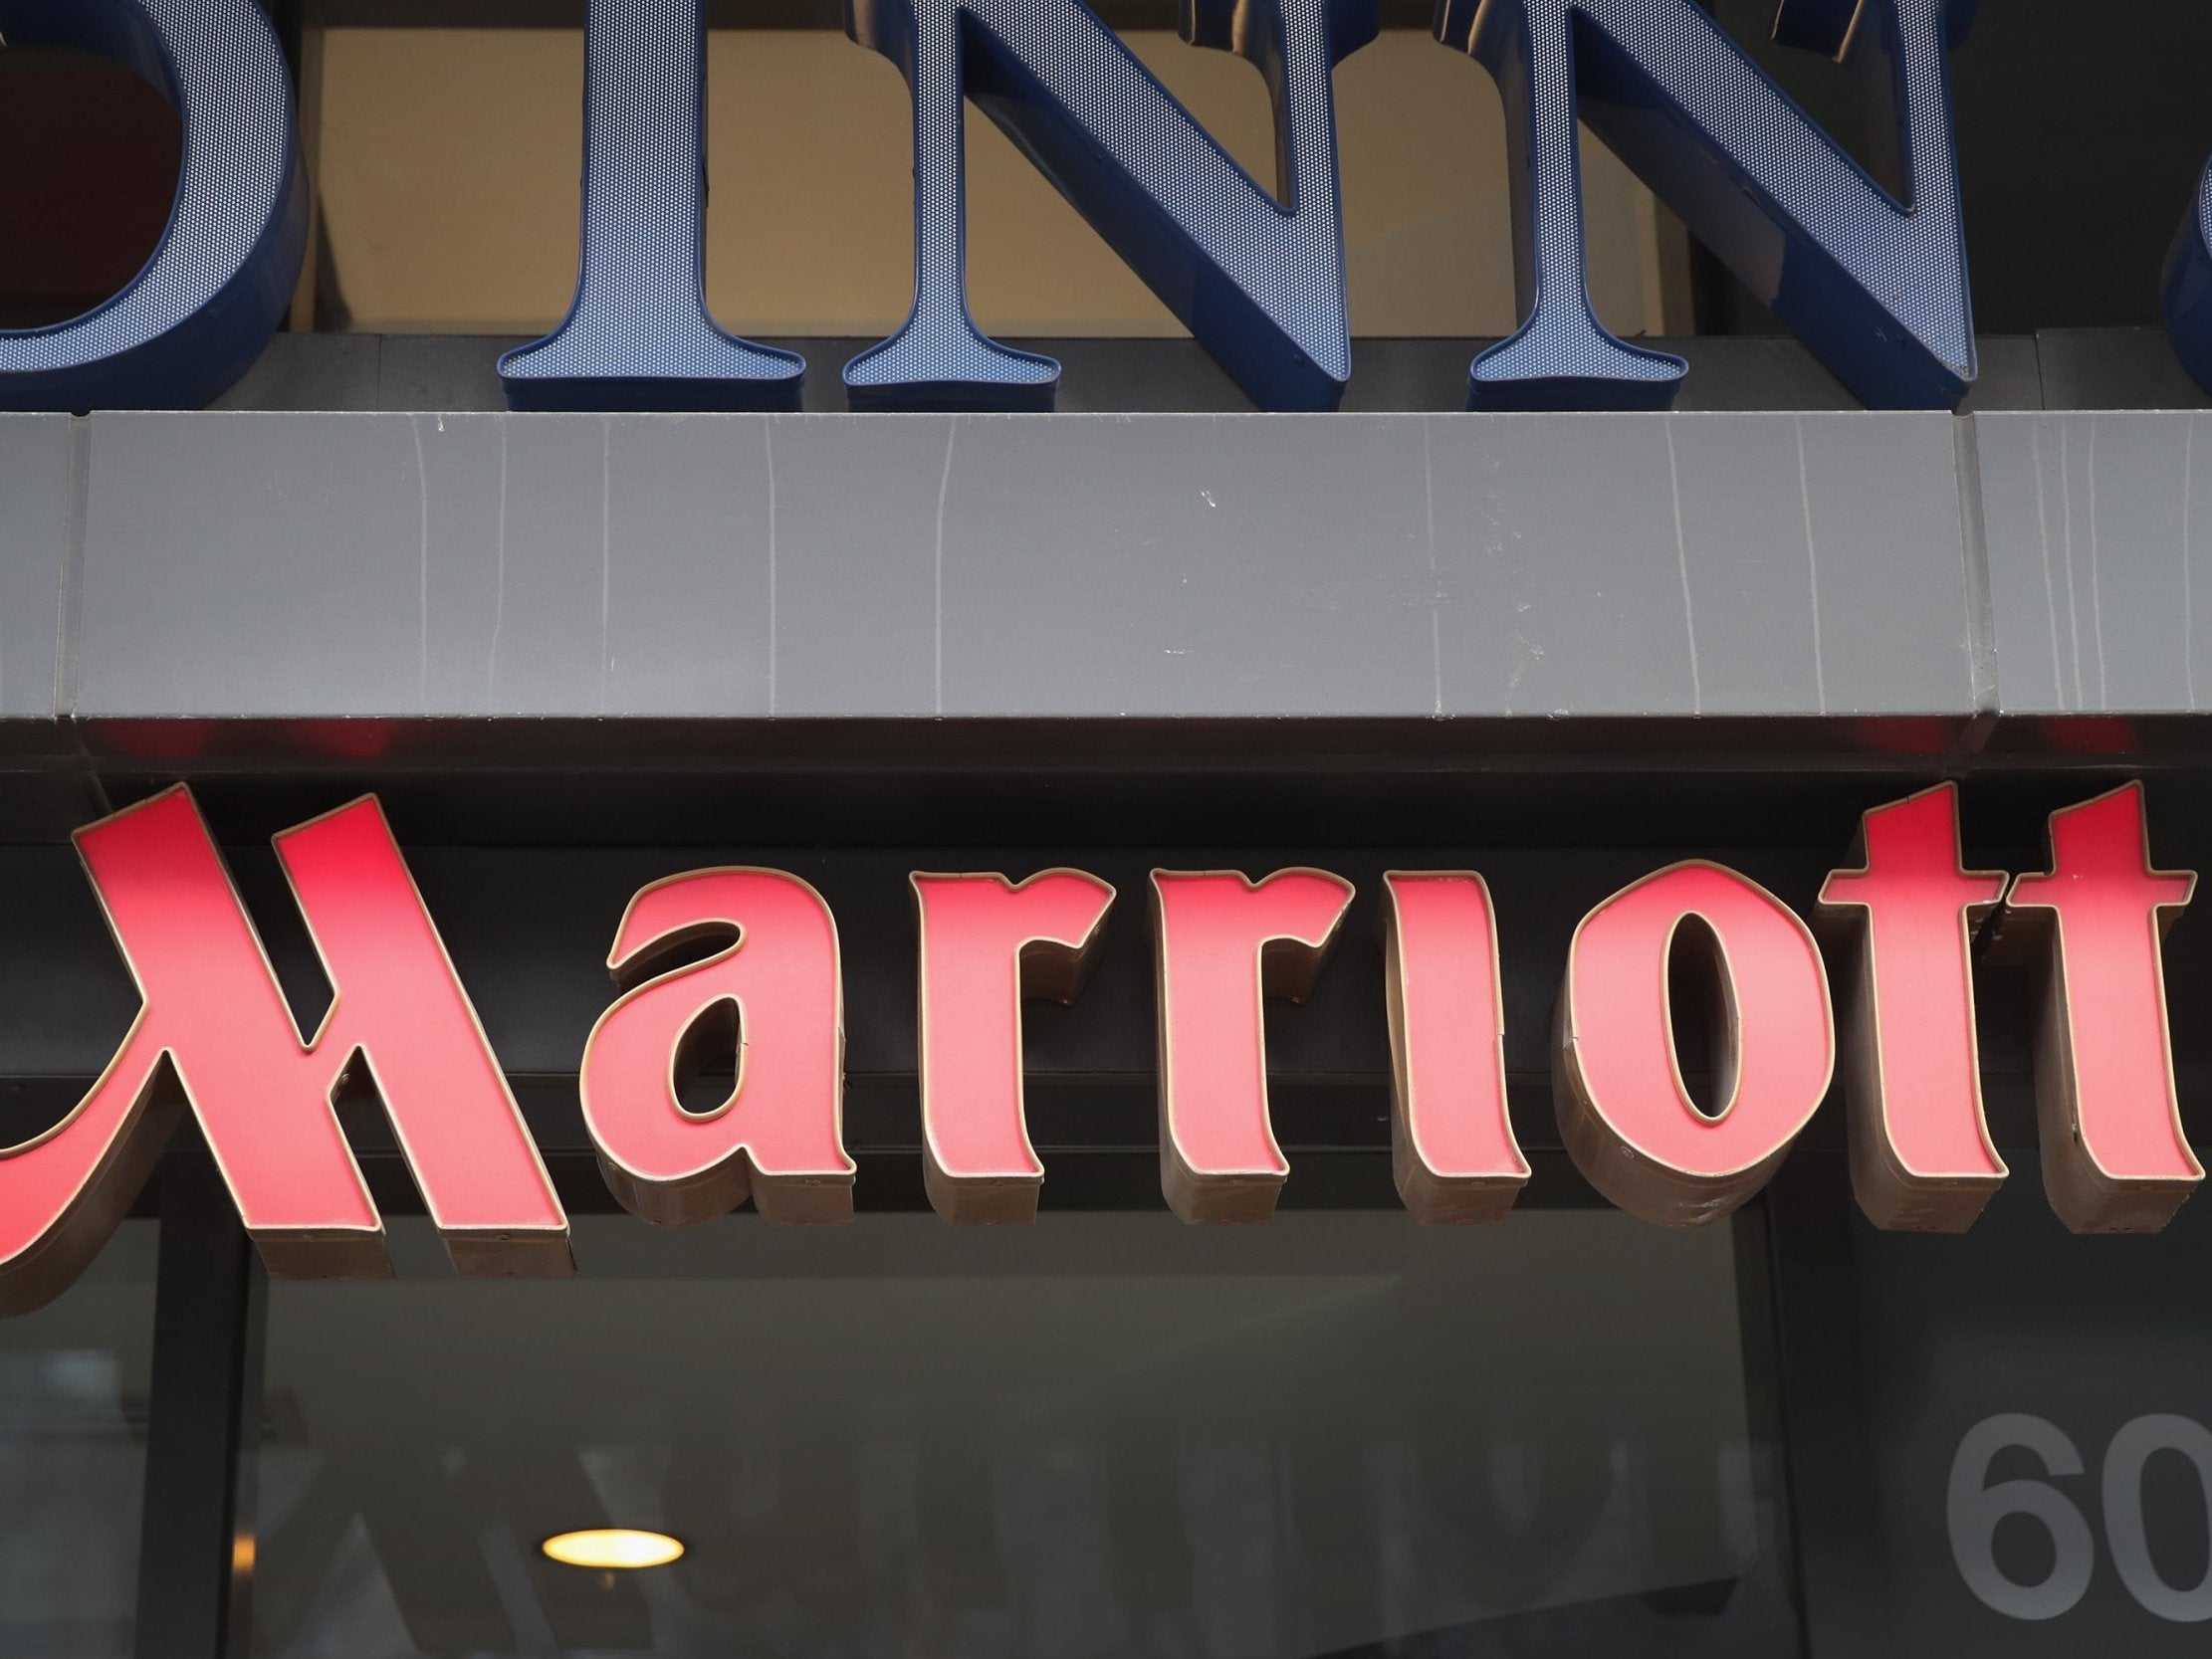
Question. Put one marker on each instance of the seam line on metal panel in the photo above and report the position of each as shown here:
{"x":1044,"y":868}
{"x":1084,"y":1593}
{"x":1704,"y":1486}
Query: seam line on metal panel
{"x":943,"y":488}
{"x":422,"y":568}
{"x":498,"y":594}
{"x":606,"y":547}
{"x":1435,"y":581}
{"x":1812,"y":565}
{"x":2097,"y":576}
{"x":1681,"y":564}
{"x":2188,"y":591}
{"x":2049,"y":585}
{"x":1982,"y":663}
{"x":2066,"y":545}
{"x":768,"y":439}
{"x":70,"y":624}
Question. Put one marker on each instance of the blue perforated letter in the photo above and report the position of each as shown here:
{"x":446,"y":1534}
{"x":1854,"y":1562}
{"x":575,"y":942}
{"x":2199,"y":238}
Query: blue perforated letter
{"x":1877,"y":289}
{"x":195,"y":317}
{"x":2188,"y":289}
{"x":638,"y":335}
{"x":1260,"y":283}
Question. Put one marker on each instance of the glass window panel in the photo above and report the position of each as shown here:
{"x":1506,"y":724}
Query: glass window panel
{"x":73,"y":1379}
{"x":1109,"y":1434}
{"x":1988,"y":1362}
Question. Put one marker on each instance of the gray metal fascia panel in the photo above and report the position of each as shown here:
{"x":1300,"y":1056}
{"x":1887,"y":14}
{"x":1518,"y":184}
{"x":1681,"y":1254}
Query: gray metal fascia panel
{"x":2098,"y":562}
{"x":36,"y":487}
{"x":1701,"y":565}
{"x":301,"y":566}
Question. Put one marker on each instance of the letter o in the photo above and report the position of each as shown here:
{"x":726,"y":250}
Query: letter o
{"x":1629,"y":1120}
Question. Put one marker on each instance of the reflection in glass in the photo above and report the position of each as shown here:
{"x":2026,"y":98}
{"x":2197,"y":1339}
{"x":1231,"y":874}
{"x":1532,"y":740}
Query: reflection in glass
{"x":1107,"y":1435}
{"x":72,"y":1410}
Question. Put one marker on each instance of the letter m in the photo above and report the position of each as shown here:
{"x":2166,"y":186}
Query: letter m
{"x":1258,"y":279}
{"x":1875,"y":286}
{"x":213,"y":1028}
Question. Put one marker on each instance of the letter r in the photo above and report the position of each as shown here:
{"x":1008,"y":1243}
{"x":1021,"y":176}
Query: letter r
{"x":1225,"y":942}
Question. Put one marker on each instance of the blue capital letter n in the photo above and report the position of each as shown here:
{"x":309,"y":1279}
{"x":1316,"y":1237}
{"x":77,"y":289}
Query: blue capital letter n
{"x":1876,"y":288}
{"x":1258,"y":281}
{"x":2188,"y":287}
{"x":638,"y":335}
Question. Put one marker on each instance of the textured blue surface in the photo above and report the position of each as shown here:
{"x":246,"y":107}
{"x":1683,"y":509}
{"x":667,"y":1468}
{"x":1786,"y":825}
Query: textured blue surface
{"x":1258,"y":282}
{"x":2188,"y":287}
{"x":638,"y":335}
{"x":1876,"y":288}
{"x":193,"y":319}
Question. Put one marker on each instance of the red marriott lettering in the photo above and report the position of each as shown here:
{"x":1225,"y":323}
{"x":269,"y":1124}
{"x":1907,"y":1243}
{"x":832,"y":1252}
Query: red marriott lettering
{"x":715,"y":950}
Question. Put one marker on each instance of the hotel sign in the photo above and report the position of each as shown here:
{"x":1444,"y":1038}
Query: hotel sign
{"x":1875,"y":285}
{"x":747,"y":961}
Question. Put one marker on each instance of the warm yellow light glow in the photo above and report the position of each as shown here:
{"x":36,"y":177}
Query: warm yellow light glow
{"x":613,"y":1548}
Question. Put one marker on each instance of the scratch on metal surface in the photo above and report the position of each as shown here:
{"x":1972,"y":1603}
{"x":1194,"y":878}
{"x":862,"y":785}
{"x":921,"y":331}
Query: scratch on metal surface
{"x":2097,"y":576}
{"x":1526,"y":655}
{"x":1436,"y":581}
{"x":944,"y":487}
{"x":422,"y":569}
{"x":767,"y":441}
{"x":1681,"y":565}
{"x":1812,"y":569}
{"x":2049,"y":585}
{"x":498,"y":594}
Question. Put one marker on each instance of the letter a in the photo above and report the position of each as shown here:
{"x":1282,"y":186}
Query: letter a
{"x":773,"y":994}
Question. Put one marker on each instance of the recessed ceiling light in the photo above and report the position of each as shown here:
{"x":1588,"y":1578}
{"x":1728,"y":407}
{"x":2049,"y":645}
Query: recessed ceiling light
{"x":613,"y":1548}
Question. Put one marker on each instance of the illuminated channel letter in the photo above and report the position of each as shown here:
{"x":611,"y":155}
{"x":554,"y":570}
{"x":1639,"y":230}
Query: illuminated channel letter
{"x":1877,"y":289}
{"x":1921,"y":1159}
{"x":1451,"y":1142}
{"x":2188,"y":287}
{"x":986,"y":944}
{"x":2114,"y":1160}
{"x":1259,"y":281}
{"x":638,"y":335}
{"x":1769,"y":1036}
{"x":199,"y":314}
{"x":212,"y":1018}
{"x":1224,"y":942}
{"x":772,"y":998}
